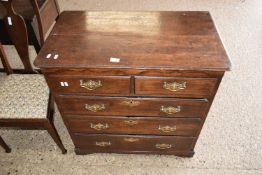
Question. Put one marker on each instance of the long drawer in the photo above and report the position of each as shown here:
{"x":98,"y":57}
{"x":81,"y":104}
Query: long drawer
{"x":175,"y":87}
{"x":122,"y":106}
{"x":90,"y":85}
{"x":134,"y":125}
{"x":132,"y":143}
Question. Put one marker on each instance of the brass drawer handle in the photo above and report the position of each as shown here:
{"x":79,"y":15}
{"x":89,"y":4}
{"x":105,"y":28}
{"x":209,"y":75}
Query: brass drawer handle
{"x":103,"y":144}
{"x":167,"y":128}
{"x":131,"y":139}
{"x":163,"y":146}
{"x":170,"y":109}
{"x":90,"y":84}
{"x":130,"y":122}
{"x":99,"y":126}
{"x":174,"y":86}
{"x":95,"y":107}
{"x":131,"y":103}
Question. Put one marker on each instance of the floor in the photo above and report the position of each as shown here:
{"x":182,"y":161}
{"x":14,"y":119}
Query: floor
{"x":231,"y":140}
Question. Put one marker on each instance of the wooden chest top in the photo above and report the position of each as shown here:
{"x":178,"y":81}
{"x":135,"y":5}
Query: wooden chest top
{"x":140,"y":40}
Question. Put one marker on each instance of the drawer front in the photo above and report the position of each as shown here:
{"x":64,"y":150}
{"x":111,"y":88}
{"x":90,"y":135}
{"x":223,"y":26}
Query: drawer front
{"x":175,"y":87}
{"x":121,"y":106}
{"x":125,"y":143}
{"x":134,"y":125}
{"x":90,"y":85}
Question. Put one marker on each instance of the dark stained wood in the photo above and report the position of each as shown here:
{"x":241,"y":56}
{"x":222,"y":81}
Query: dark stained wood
{"x":153,"y":47}
{"x":46,"y":15}
{"x":120,"y":143}
{"x":128,"y":72}
{"x":21,"y":71}
{"x":4,"y":60}
{"x":211,"y":99}
{"x":31,"y":20}
{"x":194,"y":87}
{"x":185,"y":154}
{"x":130,"y":23}
{"x":158,"y":39}
{"x":133,"y":125}
{"x":4,"y":145}
{"x":117,"y":106}
{"x":163,"y":52}
{"x":49,"y":13}
{"x":29,"y":124}
{"x":42,"y":14}
{"x":38,"y":21}
{"x":16,"y":28}
{"x":23,"y":7}
{"x":110,"y":84}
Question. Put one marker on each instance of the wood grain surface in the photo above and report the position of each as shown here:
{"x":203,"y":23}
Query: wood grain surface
{"x":158,"y":40}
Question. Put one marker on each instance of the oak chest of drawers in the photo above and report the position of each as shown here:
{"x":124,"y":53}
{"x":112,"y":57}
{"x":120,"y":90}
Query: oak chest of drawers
{"x":134,"y":82}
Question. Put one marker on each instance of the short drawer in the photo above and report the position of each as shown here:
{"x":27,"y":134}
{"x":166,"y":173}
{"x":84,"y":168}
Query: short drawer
{"x":175,"y":87}
{"x":123,"y":106}
{"x":134,"y":125}
{"x":90,"y":85}
{"x":134,"y":143}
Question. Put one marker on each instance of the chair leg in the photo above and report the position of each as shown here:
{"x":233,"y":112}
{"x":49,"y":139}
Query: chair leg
{"x":4,"y":61}
{"x":50,"y":127}
{"x":4,"y":145}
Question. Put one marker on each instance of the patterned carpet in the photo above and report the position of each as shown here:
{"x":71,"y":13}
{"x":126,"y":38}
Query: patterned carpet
{"x":230,"y":142}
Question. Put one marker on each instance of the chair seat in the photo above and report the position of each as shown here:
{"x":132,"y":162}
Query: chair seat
{"x":23,"y":96}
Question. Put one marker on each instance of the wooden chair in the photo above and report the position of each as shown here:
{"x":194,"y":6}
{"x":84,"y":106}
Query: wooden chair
{"x":4,"y":145}
{"x":25,"y":102}
{"x":24,"y":22}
